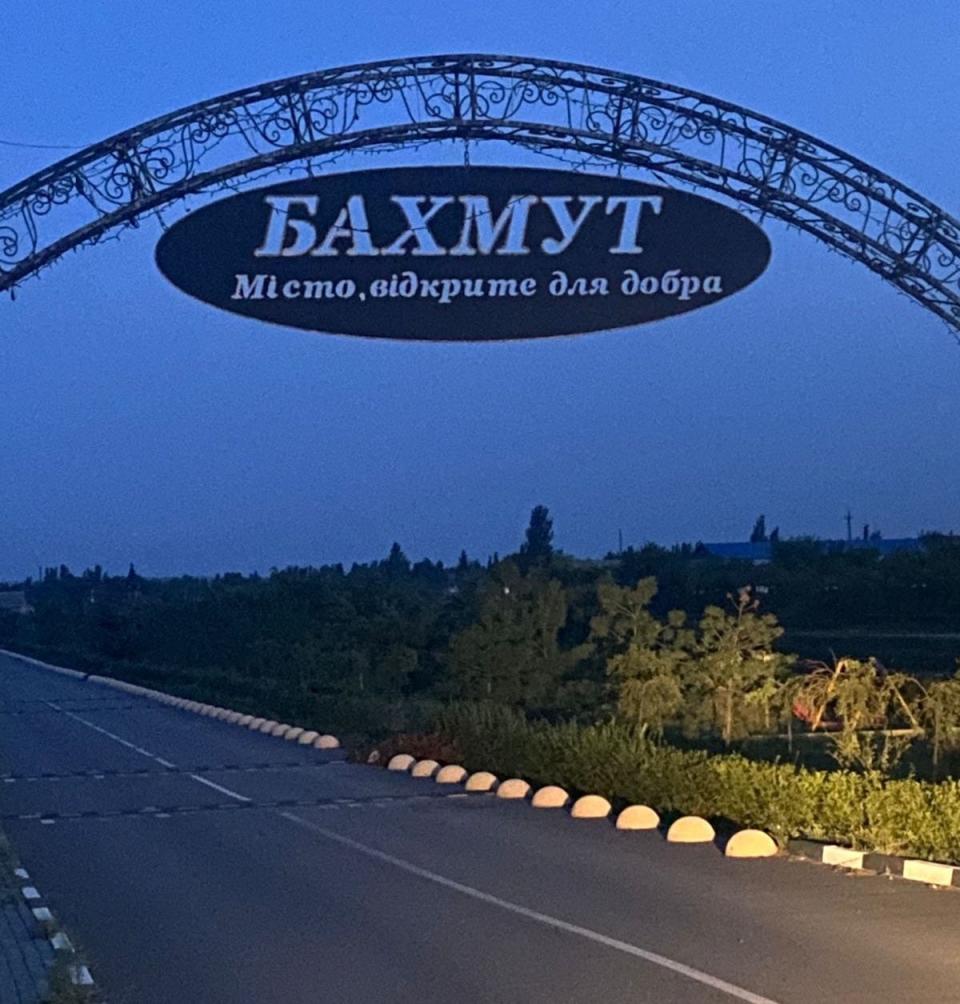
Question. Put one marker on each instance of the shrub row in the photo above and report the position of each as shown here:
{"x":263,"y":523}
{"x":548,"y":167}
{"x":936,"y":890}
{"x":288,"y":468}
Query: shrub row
{"x":865,"y":811}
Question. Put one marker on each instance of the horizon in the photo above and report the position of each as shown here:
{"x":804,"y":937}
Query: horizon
{"x":481,"y":558}
{"x":143,"y":426}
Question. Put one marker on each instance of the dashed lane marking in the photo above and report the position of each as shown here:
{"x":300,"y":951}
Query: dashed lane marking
{"x":238,"y":802}
{"x":100,"y":773}
{"x":96,"y":707}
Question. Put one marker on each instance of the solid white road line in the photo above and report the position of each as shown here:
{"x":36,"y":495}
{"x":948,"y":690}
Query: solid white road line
{"x":109,"y":735}
{"x":697,"y":975}
{"x":220,"y":788}
{"x":147,"y":753}
{"x":705,"y":979}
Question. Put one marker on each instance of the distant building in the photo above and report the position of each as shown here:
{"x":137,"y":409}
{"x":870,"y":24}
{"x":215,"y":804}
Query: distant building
{"x":15,"y":602}
{"x":761,"y":552}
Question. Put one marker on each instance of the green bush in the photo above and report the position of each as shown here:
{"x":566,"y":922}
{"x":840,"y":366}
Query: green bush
{"x":621,"y":762}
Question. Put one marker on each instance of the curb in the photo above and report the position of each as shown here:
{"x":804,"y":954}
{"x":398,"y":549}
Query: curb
{"x":930,"y":873}
{"x":304,"y":737}
{"x":912,"y":869}
{"x":62,"y":946}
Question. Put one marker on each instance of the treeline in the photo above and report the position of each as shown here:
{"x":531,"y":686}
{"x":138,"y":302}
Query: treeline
{"x":671,"y":637}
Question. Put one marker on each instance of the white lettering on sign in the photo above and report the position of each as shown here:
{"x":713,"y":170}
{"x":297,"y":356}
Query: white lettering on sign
{"x":478,"y":216}
{"x":291,"y":233}
{"x":410,"y":286}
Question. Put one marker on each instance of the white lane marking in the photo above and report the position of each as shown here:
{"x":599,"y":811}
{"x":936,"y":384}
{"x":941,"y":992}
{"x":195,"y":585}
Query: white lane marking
{"x":21,"y":873}
{"x":110,"y":735}
{"x":42,"y":913}
{"x":220,"y":788}
{"x":697,"y":975}
{"x":29,"y":892}
{"x":147,"y":753}
{"x":61,"y":942}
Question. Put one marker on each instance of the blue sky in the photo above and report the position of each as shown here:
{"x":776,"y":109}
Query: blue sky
{"x":139,"y":425}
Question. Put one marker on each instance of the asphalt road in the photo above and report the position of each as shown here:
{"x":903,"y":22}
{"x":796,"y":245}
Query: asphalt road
{"x":199,"y":863}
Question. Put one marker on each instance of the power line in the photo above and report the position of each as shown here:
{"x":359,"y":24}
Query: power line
{"x":37,"y":146}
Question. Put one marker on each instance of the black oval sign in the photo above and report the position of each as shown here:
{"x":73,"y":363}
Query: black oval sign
{"x":462,"y":253}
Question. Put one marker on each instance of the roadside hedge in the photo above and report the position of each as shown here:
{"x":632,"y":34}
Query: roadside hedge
{"x":866,"y":811}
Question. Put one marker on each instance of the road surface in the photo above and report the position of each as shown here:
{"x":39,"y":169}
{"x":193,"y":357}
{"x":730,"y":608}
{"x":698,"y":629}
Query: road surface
{"x":196,"y":862}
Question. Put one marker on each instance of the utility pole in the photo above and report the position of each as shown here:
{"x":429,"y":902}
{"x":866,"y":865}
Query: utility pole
{"x":849,"y":526}
{"x":620,"y":541}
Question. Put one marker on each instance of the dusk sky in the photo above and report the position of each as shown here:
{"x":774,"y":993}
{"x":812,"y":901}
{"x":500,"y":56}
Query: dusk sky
{"x":141,"y":425}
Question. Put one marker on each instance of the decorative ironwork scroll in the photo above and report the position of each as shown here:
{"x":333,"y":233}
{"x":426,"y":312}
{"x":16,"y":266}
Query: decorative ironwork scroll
{"x":591,"y":117}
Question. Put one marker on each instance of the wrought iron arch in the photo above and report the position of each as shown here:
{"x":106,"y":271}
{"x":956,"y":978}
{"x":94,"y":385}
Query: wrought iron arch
{"x":588,"y":115}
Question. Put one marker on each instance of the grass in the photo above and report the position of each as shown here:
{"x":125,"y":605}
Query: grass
{"x":62,"y":988}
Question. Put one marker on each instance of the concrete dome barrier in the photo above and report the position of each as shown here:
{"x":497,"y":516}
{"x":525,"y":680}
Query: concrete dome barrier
{"x":307,"y":738}
{"x":255,"y":723}
{"x":550,"y":797}
{"x":590,"y":807}
{"x":515,"y":787}
{"x":245,"y":720}
{"x":233,"y":717}
{"x":481,"y":780}
{"x":638,"y":817}
{"x":326,"y":742}
{"x":690,"y":830}
{"x":425,"y":768}
{"x":452,"y":773}
{"x":268,"y":726}
{"x":751,"y":844}
{"x":402,"y":761}
{"x":280,"y":730}
{"x":295,"y":733}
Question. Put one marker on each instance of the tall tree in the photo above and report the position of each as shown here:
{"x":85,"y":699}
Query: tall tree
{"x":759,"y":533}
{"x":537,"y":549}
{"x":735,"y":678}
{"x":396,"y":564}
{"x":647,"y":658}
{"x":511,"y":652}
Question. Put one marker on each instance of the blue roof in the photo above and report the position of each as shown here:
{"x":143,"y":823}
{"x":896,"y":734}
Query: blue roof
{"x":763,"y":550}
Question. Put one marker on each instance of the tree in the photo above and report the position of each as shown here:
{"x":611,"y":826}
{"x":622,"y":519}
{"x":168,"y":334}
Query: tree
{"x":940,"y":708}
{"x":734,"y":680}
{"x":759,"y":533}
{"x":511,"y":653}
{"x":863,"y":699}
{"x":396,"y":564}
{"x":647,"y":659}
{"x":538,"y":546}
